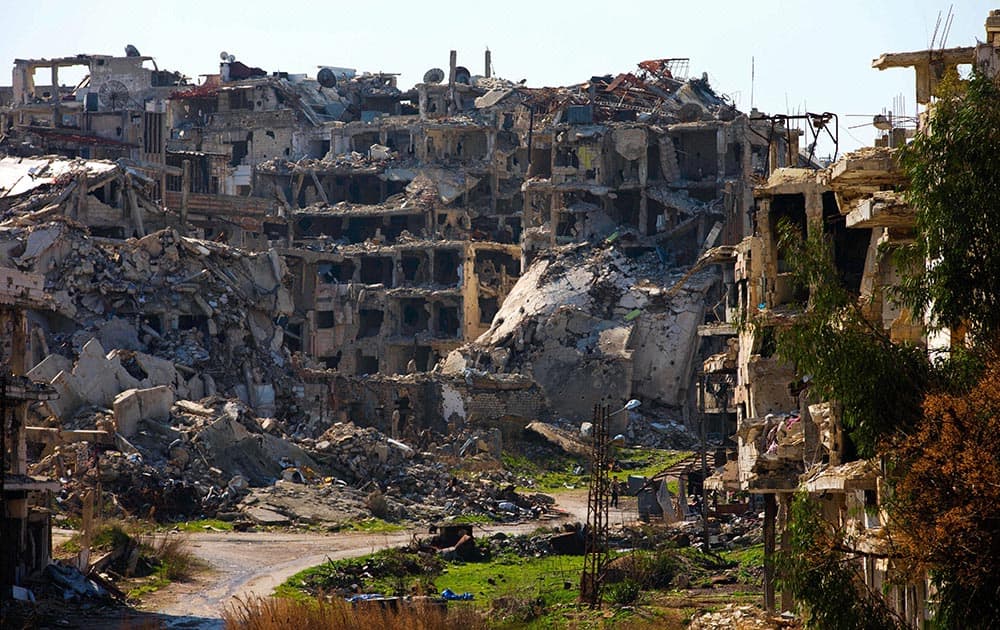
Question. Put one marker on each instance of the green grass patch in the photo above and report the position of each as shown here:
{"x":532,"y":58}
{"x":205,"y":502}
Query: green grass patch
{"x":200,"y":526}
{"x":750,"y":563}
{"x":646,"y":462}
{"x":515,"y":576}
{"x":555,"y":474}
{"x":149,"y":584}
{"x":373,"y":526}
{"x":558,"y":473}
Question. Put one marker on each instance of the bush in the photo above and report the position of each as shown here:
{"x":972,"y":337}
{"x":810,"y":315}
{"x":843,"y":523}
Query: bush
{"x":624,"y":593}
{"x":174,"y":558}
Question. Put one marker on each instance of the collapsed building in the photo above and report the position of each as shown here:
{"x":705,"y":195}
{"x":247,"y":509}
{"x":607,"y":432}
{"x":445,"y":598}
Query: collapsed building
{"x":240,"y":272}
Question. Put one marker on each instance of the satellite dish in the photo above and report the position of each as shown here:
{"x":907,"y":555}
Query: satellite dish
{"x":434,"y":75}
{"x":131,"y":51}
{"x":462,"y":75}
{"x":113,"y":94}
{"x":231,"y":58}
{"x":224,"y":56}
{"x":327,"y":78}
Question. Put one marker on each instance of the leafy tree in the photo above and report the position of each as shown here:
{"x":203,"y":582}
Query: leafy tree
{"x":879,"y":383}
{"x":946,"y":508}
{"x":829,"y":584}
{"x":954,"y":187}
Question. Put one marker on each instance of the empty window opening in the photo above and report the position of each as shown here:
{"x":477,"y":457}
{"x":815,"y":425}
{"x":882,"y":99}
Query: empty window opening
{"x":850,"y":245}
{"x":360,"y":229}
{"x":448,"y":322}
{"x":423,"y":357}
{"x":376,"y":270}
{"x":324,"y":319}
{"x":446,"y":262}
{"x":365,"y":364}
{"x":275,"y":231}
{"x":626,"y":208}
{"x":412,"y":223}
{"x":370,"y":322}
{"x":293,"y":337}
{"x":656,"y":220}
{"x":334,"y":272}
{"x":192,"y":322}
{"x":488,"y":307}
{"x":318,"y":226}
{"x":654,"y":171}
{"x":108,"y":231}
{"x":414,"y":316}
{"x":492,"y":267}
{"x":415,"y":267}
{"x":332,"y":363}
{"x":363,"y":142}
{"x":793,"y":208}
{"x":365,"y":189}
{"x":541,"y":163}
{"x":697,"y":155}
{"x":240,"y":150}
{"x":567,"y":157}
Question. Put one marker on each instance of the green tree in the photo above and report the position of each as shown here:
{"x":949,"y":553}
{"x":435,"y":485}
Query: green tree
{"x":880,"y":384}
{"x":935,"y":423}
{"x":954,"y":187}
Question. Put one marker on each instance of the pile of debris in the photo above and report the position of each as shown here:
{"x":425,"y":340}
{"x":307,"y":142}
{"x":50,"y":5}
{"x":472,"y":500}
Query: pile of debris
{"x":741,"y":617}
{"x":584,"y":321}
{"x":371,"y":474}
{"x":200,"y":459}
{"x":206,"y":309}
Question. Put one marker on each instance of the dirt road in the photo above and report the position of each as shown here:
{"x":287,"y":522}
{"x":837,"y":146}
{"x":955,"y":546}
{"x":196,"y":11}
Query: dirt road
{"x":250,"y":563}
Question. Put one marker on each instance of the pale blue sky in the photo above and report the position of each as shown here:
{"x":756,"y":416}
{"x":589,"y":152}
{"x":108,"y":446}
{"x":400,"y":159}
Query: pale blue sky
{"x":808,"y":54}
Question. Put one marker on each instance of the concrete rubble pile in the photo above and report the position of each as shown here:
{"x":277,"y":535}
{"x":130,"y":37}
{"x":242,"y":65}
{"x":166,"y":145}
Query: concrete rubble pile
{"x":196,"y":316}
{"x":199,"y":459}
{"x":740,"y":617}
{"x":588,"y":321}
{"x":372,"y":474}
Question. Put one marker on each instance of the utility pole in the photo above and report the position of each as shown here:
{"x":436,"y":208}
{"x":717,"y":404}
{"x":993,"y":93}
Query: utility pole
{"x":704,"y":459}
{"x":595,"y":557}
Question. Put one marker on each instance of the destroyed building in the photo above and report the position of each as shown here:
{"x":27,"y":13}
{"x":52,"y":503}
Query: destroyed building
{"x":25,"y":528}
{"x":267,"y":274}
{"x":406,"y":218}
{"x":787,"y":439}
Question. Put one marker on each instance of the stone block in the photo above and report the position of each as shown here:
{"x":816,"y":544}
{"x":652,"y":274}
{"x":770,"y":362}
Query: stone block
{"x":134,"y":405}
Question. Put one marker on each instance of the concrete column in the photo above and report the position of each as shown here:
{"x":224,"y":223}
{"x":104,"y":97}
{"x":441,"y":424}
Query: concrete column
{"x":54,"y":98}
{"x":185,"y":190}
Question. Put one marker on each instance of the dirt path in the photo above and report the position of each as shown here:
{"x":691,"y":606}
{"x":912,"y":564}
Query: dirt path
{"x":244,"y":564}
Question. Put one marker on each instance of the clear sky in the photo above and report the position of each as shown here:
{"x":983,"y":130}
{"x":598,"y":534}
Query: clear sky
{"x":807,"y":55}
